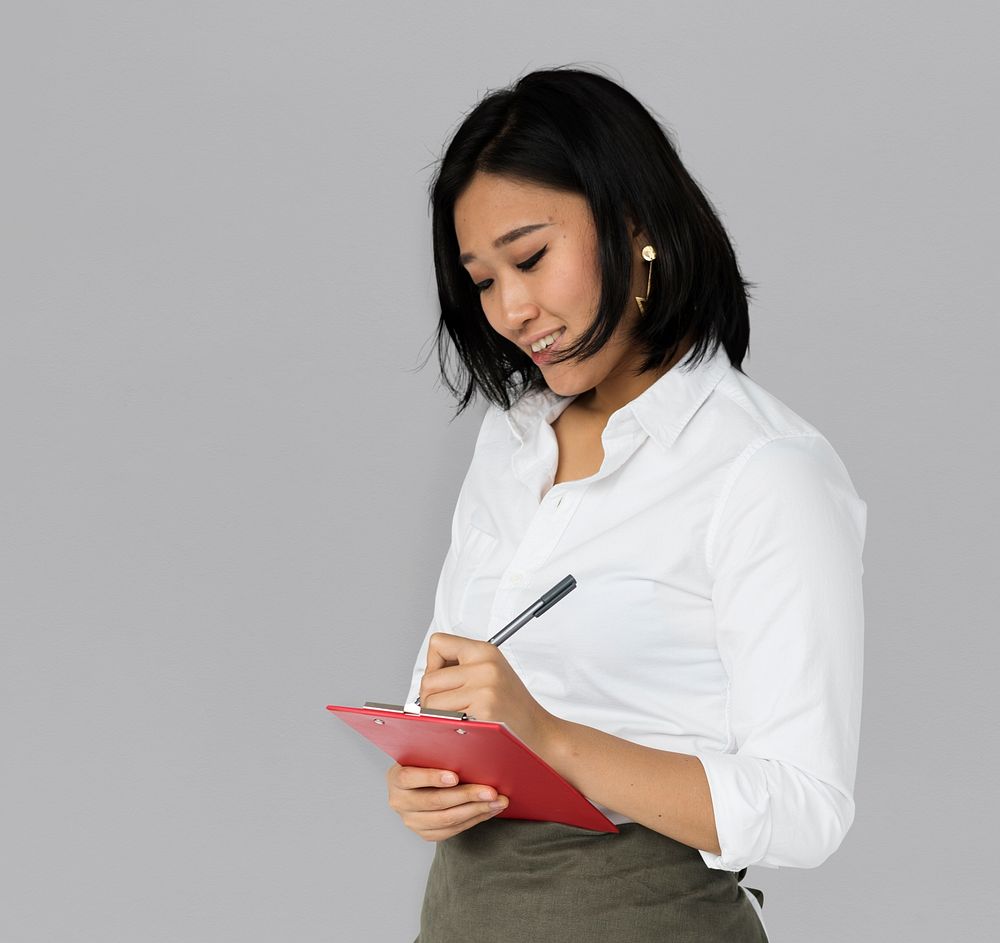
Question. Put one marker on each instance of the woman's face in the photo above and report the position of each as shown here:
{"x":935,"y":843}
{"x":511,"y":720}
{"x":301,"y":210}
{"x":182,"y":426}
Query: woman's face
{"x":532,"y":251}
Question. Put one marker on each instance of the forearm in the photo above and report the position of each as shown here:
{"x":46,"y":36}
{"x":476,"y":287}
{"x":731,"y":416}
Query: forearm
{"x":666,"y":792}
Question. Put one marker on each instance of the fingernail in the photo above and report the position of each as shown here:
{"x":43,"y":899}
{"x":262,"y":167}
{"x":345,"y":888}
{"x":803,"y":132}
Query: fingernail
{"x":449,"y":779}
{"x":498,"y":804}
{"x":485,"y":794}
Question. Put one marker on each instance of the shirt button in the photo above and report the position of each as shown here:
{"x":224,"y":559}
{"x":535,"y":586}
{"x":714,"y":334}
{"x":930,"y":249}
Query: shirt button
{"x":517,"y":578}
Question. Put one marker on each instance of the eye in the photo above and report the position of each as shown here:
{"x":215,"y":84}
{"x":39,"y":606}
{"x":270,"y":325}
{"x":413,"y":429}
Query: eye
{"x":526,"y":266}
{"x":529,"y":264}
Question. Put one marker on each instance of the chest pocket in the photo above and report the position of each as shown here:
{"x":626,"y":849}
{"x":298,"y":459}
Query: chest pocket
{"x":473,"y":590}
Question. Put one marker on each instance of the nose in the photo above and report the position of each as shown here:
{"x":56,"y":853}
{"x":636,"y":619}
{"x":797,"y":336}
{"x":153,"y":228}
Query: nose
{"x":512,"y":307}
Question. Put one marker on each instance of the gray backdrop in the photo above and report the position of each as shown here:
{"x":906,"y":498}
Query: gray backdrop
{"x":228,"y":488}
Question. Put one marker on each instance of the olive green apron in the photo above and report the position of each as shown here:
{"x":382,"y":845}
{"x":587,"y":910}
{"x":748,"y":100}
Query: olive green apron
{"x":509,"y":881}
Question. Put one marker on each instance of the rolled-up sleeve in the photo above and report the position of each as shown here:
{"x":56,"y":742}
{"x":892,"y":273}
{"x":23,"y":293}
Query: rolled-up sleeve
{"x":784,"y":551}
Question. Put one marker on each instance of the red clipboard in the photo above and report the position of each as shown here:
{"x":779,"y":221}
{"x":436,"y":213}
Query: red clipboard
{"x":478,"y":752}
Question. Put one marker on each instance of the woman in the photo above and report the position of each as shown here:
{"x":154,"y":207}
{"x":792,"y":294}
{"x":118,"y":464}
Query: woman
{"x":702,"y":685}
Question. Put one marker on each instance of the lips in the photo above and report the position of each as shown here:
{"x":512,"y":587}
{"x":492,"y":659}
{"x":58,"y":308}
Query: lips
{"x":546,"y":354}
{"x":556,"y":334}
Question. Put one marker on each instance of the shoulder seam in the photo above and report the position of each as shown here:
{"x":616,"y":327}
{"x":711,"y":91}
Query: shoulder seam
{"x":769,"y":430}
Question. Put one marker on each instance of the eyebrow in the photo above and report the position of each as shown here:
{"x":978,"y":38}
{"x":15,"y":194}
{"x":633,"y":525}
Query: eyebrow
{"x":506,"y":239}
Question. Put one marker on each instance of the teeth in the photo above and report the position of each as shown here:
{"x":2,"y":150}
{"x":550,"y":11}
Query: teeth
{"x":546,"y":341}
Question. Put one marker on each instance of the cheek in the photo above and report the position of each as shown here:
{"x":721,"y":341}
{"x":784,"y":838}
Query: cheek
{"x":580,"y":282}
{"x":566,"y":290}
{"x":489,"y":313}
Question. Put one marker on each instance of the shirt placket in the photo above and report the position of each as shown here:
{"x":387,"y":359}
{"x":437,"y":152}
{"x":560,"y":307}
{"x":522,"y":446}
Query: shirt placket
{"x":520,"y":584}
{"x":541,"y":538}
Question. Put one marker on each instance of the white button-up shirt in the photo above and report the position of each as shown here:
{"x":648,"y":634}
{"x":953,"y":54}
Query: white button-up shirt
{"x":718,"y":610}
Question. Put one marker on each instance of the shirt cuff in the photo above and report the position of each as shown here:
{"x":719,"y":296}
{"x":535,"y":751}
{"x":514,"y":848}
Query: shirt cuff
{"x":742,"y":805}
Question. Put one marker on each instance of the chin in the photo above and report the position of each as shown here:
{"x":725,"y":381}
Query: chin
{"x":566,"y":386}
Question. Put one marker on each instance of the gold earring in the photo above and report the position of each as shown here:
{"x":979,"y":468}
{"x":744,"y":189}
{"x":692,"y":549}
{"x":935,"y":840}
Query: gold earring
{"x":648,"y":253}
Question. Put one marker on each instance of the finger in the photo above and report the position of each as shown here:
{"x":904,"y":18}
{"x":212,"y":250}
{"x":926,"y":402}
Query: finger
{"x":480,"y":674}
{"x":437,"y":800}
{"x":455,"y":819}
{"x":479,"y":698}
{"x":444,"y":649}
{"x":452,"y":678}
{"x":419,"y":777}
{"x":458,"y":701}
{"x":442,"y":834}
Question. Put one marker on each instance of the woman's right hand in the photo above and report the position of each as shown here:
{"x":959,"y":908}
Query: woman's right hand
{"x":433,"y":804}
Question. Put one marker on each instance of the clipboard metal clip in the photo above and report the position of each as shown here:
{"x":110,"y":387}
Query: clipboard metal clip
{"x":417,"y":711}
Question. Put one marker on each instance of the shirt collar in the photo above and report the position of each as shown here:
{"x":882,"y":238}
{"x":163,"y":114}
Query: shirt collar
{"x":662,"y":411}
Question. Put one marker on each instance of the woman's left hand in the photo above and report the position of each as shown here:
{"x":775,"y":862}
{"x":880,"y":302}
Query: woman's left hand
{"x":463,"y":674}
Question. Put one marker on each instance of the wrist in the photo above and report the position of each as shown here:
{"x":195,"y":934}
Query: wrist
{"x":550,"y":738}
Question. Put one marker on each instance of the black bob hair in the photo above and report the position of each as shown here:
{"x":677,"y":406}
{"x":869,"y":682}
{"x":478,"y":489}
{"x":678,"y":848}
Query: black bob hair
{"x":580,"y":132}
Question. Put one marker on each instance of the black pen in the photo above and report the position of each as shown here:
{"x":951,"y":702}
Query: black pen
{"x":545,"y":602}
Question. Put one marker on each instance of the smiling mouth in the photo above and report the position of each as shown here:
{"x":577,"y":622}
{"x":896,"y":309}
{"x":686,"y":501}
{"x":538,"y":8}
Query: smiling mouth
{"x":541,"y":355}
{"x":547,"y":341}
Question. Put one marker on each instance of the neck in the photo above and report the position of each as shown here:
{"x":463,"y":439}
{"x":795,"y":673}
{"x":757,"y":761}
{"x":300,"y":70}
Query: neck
{"x":617,"y":391}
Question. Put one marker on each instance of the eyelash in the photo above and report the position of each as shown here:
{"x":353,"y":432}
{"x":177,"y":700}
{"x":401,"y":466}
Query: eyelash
{"x":526,"y":266}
